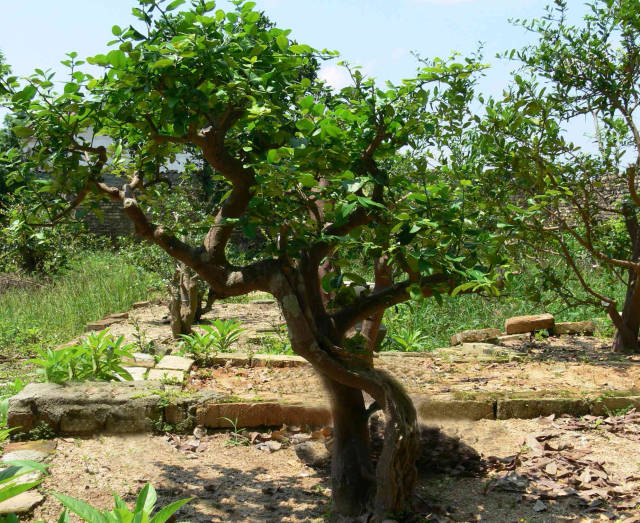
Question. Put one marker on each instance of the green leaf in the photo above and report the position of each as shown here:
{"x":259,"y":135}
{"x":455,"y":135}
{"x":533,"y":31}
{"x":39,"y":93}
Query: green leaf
{"x":283,"y":42}
{"x":175,"y":4}
{"x":116,"y":30}
{"x":64,"y":517}
{"x":22,"y":132}
{"x":307,"y":180}
{"x":81,"y":509}
{"x":71,"y":88}
{"x":117,"y":58}
{"x":305,"y":125}
{"x":252,"y":17}
{"x":306,"y":103}
{"x":14,"y":490}
{"x":163,"y":62}
{"x":273,"y":156}
{"x":301,"y":49}
{"x":163,"y":515}
{"x":146,"y":499}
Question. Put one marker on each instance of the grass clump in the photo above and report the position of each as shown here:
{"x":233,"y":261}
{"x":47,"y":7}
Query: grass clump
{"x":94,"y":285}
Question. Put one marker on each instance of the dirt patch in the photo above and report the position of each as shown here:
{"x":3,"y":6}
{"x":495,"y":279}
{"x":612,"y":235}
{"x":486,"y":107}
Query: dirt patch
{"x":571,"y":365}
{"x":241,"y":483}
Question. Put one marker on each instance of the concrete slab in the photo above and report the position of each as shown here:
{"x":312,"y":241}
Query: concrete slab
{"x":166,"y":375}
{"x":137,"y":373}
{"x":140,"y":360}
{"x":175,"y":363}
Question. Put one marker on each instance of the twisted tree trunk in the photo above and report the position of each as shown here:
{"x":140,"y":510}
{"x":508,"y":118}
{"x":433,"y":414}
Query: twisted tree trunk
{"x":358,"y":491}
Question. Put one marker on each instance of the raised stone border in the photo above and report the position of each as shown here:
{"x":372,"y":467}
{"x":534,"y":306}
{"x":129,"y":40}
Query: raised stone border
{"x":89,"y":408}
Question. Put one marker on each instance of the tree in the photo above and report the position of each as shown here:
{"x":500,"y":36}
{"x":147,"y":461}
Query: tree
{"x":577,"y":204}
{"x":338,"y":184}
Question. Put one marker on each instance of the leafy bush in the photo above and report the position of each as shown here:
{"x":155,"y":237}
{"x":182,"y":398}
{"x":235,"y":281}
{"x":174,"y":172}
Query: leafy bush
{"x":218,"y":337}
{"x":145,"y":505}
{"x":97,"y":358}
{"x":409,"y":339}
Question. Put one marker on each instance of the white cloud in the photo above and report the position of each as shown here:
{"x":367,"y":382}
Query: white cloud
{"x":335,"y":75}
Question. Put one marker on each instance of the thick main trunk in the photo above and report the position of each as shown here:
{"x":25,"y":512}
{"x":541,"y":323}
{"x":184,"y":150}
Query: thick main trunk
{"x":628,"y":323}
{"x":352,"y":474}
{"x":357,"y":491}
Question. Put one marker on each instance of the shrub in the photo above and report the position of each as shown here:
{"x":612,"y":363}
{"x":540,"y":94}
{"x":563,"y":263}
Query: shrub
{"x":218,"y":337}
{"x":97,"y":358}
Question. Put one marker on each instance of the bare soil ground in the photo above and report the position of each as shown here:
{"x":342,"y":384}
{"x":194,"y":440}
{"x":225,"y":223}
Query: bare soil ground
{"x":543,"y":470}
{"x":540,"y":471}
{"x":565,"y":365}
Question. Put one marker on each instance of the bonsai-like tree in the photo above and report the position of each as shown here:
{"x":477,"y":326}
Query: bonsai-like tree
{"x":343,"y":187}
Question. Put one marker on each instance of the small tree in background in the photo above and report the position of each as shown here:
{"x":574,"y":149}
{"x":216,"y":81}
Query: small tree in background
{"x":317,"y":173}
{"x":570,"y":203}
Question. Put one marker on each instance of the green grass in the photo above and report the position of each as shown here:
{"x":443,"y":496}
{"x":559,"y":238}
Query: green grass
{"x":94,"y":285}
{"x":438,"y":322}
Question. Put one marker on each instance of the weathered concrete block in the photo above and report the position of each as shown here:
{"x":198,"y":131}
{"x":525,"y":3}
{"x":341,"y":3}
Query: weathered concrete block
{"x":446,"y":407}
{"x":475,"y":335}
{"x":521,"y":324}
{"x":175,"y":363}
{"x":514,"y":338}
{"x":534,"y":407}
{"x":604,"y":406}
{"x":221,"y":415}
{"x":575,"y":327}
{"x":118,"y":316}
{"x":275,"y":360}
{"x":141,"y":304}
{"x":166,"y":375}
{"x":101,"y":324}
{"x":140,"y":359}
{"x":137,"y":373}
{"x":235,"y":359}
{"x":86,"y":408}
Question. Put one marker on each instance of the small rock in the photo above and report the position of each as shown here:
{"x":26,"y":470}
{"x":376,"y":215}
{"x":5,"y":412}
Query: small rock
{"x":199,"y":432}
{"x":140,"y":304}
{"x":312,"y":453}
{"x":118,"y":316}
{"x":21,"y":503}
{"x":300,"y":438}
{"x":539,"y":506}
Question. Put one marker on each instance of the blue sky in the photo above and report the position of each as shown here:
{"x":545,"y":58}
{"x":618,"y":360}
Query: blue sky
{"x":375,"y":34}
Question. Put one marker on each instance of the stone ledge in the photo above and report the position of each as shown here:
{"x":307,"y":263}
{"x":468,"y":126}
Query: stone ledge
{"x":90,"y":408}
{"x":277,"y":360}
{"x":224,"y":415}
{"x":447,"y":407}
{"x":527,"y":408}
